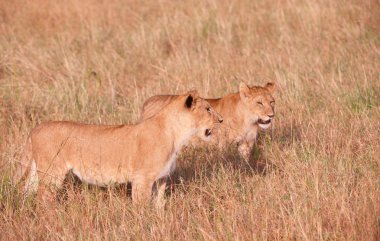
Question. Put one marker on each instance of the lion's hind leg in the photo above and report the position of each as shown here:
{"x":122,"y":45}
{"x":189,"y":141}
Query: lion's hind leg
{"x":51,"y":183}
{"x":31,"y":182}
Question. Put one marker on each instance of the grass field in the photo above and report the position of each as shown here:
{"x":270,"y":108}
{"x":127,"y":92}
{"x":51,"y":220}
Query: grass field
{"x":314,"y":176}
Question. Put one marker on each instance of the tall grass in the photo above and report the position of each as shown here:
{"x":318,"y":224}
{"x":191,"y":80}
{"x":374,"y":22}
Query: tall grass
{"x":316,"y":176}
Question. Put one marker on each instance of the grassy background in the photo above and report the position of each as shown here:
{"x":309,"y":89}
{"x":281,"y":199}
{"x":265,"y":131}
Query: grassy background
{"x":316,"y":177}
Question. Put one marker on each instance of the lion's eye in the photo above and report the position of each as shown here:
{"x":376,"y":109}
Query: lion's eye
{"x":272,"y":102}
{"x":208,"y":109}
{"x":259,"y":103}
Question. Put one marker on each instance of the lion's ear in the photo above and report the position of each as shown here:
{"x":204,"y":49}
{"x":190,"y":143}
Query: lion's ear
{"x":271,"y":87}
{"x":244,"y":90}
{"x":193,"y":93}
{"x":191,"y":96}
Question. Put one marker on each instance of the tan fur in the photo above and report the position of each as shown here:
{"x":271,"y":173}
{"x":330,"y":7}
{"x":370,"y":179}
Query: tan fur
{"x":103,"y":155}
{"x":241,"y":111}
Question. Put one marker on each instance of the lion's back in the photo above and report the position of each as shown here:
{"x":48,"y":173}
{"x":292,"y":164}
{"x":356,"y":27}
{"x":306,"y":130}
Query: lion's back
{"x":154,"y":104}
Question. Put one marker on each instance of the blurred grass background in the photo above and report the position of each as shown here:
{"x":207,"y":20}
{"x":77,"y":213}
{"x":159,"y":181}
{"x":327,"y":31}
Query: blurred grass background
{"x":315,"y":178}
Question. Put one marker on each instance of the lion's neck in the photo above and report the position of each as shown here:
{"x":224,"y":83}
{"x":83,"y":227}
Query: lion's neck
{"x":181,"y":133}
{"x":179,"y":129}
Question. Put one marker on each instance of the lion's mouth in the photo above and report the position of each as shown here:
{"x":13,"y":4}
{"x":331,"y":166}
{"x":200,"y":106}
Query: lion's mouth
{"x":208,"y":132}
{"x":260,"y":121}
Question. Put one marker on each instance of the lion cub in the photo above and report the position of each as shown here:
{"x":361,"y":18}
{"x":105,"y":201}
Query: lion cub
{"x":141,"y":154}
{"x":244,"y":112}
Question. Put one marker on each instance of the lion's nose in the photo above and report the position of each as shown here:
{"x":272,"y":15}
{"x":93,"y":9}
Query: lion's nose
{"x":220,"y":120}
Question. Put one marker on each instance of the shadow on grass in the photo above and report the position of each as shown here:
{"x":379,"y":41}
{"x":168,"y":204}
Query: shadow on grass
{"x":196,"y":163}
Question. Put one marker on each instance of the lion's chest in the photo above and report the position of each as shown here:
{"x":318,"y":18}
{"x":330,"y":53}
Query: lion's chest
{"x":251,"y":133}
{"x":237,"y":131}
{"x":247,"y":134}
{"x":169,"y":166}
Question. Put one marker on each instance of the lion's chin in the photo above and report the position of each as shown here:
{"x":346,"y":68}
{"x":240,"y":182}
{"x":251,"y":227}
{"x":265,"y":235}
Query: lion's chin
{"x":264,"y":124}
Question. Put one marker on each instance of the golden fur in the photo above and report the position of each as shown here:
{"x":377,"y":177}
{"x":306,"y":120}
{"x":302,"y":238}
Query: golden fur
{"x":103,"y":155}
{"x":244,"y":113}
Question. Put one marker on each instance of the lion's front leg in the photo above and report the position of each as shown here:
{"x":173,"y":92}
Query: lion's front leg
{"x":161,"y":187}
{"x":245,"y":148}
{"x":141,"y":190}
{"x":50,"y":184}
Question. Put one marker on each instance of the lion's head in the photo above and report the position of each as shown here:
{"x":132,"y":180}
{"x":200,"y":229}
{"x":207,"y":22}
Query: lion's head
{"x":258,"y":103}
{"x":202,"y":115}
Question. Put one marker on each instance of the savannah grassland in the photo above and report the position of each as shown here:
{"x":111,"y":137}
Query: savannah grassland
{"x":314,"y":176}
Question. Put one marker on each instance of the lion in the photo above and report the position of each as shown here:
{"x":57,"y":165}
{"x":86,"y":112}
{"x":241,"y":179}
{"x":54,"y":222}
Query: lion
{"x":104,"y":155}
{"x":244,"y":112}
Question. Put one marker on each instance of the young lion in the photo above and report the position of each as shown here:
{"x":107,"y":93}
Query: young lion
{"x":244,"y":112}
{"x":102,"y":155}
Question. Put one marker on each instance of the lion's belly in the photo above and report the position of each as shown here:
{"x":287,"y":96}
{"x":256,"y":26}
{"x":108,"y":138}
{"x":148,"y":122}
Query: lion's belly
{"x":101,"y":176}
{"x":96,"y":164}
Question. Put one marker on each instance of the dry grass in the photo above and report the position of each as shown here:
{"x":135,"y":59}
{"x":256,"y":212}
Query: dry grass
{"x":316,"y":178}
